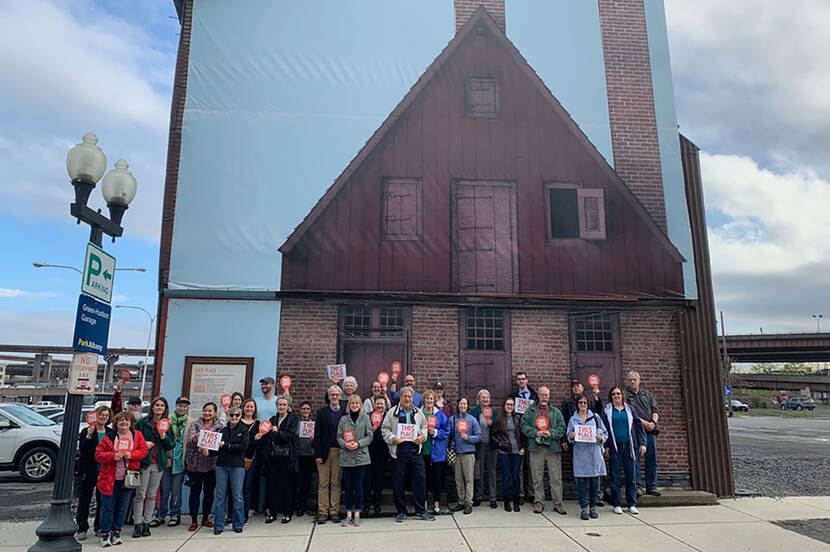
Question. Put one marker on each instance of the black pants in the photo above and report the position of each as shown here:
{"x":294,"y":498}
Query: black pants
{"x":201,"y":484}
{"x":281,"y":482}
{"x":413,"y":460}
{"x":86,"y":488}
{"x":435,"y":477}
{"x":373,"y":483}
{"x":308,"y":467}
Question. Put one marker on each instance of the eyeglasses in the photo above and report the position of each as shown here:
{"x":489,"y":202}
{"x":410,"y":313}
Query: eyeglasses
{"x":583,"y":402}
{"x":234,"y":415}
{"x":616,"y":393}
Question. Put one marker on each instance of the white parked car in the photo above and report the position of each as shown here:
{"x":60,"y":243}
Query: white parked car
{"x":29,"y":442}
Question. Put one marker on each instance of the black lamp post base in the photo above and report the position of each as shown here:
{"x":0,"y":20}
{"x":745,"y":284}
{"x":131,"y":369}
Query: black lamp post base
{"x":57,"y":532}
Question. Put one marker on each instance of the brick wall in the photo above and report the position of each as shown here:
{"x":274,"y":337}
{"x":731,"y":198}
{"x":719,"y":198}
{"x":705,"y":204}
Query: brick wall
{"x":540,"y":348}
{"x":435,"y":348}
{"x":651,"y":346}
{"x":465,"y":8}
{"x":308,"y":341}
{"x":631,"y":102}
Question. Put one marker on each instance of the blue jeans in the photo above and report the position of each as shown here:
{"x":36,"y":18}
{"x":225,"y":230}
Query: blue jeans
{"x":651,"y":464}
{"x":623,"y":463}
{"x":582,"y":488}
{"x":250,"y":487}
{"x":511,"y":468}
{"x":352,"y":479}
{"x":171,"y":494}
{"x":114,"y":508}
{"x":220,"y":508}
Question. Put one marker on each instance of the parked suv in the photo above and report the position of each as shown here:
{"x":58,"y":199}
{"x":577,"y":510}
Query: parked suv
{"x":798,"y":403}
{"x":29,"y":442}
{"x":737,"y":406}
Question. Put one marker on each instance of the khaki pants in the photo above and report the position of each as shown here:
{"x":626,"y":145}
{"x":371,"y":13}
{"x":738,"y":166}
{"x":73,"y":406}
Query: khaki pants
{"x":145,"y":495}
{"x":465,"y":469}
{"x":553,"y":460}
{"x":328,"y":490}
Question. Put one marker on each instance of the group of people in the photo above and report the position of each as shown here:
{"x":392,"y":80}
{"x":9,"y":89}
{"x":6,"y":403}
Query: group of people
{"x":127,"y":459}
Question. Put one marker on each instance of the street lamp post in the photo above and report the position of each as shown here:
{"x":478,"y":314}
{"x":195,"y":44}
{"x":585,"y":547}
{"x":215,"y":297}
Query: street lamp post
{"x":147,"y":351}
{"x":818,"y":318}
{"x":85,"y":164}
{"x":79,"y":271}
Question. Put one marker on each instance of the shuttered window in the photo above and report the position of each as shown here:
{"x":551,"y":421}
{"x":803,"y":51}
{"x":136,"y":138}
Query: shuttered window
{"x":574,"y":212}
{"x":401,"y":209}
{"x":482,"y":97}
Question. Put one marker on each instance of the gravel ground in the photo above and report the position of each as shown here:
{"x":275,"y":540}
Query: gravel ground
{"x":818,"y":529}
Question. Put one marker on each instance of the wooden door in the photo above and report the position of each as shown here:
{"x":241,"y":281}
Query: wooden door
{"x":485,"y":353}
{"x":484,"y":251}
{"x":595,"y":349}
{"x":365,"y":361}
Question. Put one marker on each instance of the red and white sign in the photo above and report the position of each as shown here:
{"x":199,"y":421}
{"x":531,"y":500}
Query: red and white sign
{"x":383,"y":378}
{"x":124,"y":375}
{"x":225,"y":400}
{"x":487,"y":412}
{"x":209,"y":439}
{"x":585,"y":434}
{"x":92,"y":418}
{"x":432,"y":421}
{"x":407,"y":432}
{"x":396,"y":369}
{"x":122,"y":445}
{"x":285,"y":382}
{"x":542,"y":423}
{"x":82,"y":373}
{"x":593,"y":380}
{"x":462,"y":425}
{"x":336,"y":372}
{"x":377,"y":418}
{"x":163,"y":426}
{"x":307,"y":429}
{"x":265,"y":427}
{"x":523,"y":404}
{"x":348,"y":435}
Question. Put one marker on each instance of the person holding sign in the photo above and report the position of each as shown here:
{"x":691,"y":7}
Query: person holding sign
{"x":587,"y":433}
{"x":625,"y":446}
{"x":250,"y":462}
{"x":87,"y":468}
{"x":544,"y":427}
{"x":506,"y":433}
{"x":118,"y":452}
{"x":327,"y":456}
{"x":408,"y":381}
{"x":201,"y":466}
{"x":305,"y":459}
{"x":487,"y":454}
{"x":153,"y":465}
{"x":378,"y":392}
{"x":434,"y":449}
{"x":230,"y":458}
{"x":281,"y":447}
{"x":466,"y":433}
{"x":379,"y":455}
{"x":354,"y":435}
{"x":404,"y":429}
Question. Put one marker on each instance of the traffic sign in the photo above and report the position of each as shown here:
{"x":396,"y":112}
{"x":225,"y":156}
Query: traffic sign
{"x":728,"y":390}
{"x":99,"y":273}
{"x":92,"y":326}
{"x":82,"y":373}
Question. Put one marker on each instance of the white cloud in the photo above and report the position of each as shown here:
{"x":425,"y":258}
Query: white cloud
{"x":10,"y":293}
{"x":56,"y":328}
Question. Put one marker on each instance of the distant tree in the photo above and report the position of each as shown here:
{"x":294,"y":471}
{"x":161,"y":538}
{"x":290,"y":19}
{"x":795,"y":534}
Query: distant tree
{"x":796,"y":368}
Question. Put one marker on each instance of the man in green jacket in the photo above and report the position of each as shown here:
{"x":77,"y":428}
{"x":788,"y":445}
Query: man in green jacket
{"x":544,"y":427}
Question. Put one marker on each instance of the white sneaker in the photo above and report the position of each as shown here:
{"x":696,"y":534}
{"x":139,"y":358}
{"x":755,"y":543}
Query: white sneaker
{"x":617,"y":510}
{"x":115,"y":539}
{"x":633,"y":510}
{"x":105,"y":541}
{"x":80,"y":536}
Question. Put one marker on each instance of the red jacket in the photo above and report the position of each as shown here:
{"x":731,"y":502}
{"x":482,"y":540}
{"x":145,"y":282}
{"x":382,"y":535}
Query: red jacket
{"x":105,"y":455}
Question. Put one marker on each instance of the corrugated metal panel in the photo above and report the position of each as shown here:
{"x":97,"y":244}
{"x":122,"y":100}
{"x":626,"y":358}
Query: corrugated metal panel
{"x":709,"y":450}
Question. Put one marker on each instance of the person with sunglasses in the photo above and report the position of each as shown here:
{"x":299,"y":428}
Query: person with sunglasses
{"x":230,"y":468}
{"x":624,"y":447}
{"x":588,"y":463}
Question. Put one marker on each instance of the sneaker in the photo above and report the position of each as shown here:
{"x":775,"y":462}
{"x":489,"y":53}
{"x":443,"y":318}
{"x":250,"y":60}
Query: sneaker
{"x":493,"y":504}
{"x":237,"y":530}
{"x":335,"y":518}
{"x":193,"y":526}
{"x":617,"y":510}
{"x":425,"y":516}
{"x":145,"y":529}
{"x":400,"y":518}
{"x":458,"y":507}
{"x":115,"y":538}
{"x":477,"y":502}
{"x":654,"y":492}
{"x":435,"y":511}
{"x":356,"y":521}
{"x":217,"y":532}
{"x":593,"y":513}
{"x":136,"y":531}
{"x":600,"y":503}
{"x":560,"y":510}
{"x":105,"y":541}
{"x":538,"y":507}
{"x":633,"y":510}
{"x":584,"y":514}
{"x":80,"y":536}
{"x":346,"y":521}
{"x":468,"y":509}
{"x":321,"y":519}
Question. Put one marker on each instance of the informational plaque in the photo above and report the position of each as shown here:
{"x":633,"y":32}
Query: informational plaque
{"x":207,"y":379}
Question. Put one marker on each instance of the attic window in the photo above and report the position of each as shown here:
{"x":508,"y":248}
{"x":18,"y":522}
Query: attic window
{"x":574,"y":213}
{"x":482,"y":97}
{"x":401,"y":204}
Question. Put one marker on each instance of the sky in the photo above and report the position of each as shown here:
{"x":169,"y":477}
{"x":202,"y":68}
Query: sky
{"x":750,"y":84}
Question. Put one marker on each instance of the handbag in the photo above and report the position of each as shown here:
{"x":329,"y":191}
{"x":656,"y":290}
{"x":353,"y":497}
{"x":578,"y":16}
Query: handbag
{"x":132,"y":479}
{"x":451,"y":454}
{"x":247,"y":463}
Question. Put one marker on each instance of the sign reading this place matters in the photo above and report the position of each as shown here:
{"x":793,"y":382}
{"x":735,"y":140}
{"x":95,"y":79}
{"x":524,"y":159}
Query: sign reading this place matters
{"x":92,"y":326}
{"x":99,"y":273}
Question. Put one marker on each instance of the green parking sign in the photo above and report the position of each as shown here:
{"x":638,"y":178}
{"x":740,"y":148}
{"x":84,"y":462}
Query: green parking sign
{"x":99,"y":273}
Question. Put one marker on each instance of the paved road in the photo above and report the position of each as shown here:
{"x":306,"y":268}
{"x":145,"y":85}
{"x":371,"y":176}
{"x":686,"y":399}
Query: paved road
{"x":784,"y":435}
{"x":21,"y":501}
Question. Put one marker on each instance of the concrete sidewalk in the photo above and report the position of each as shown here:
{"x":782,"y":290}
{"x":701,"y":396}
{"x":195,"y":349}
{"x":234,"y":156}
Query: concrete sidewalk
{"x":732,"y":525}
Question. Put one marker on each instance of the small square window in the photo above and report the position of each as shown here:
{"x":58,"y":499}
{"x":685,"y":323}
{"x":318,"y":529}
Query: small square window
{"x":574,"y":212}
{"x":482,"y":97}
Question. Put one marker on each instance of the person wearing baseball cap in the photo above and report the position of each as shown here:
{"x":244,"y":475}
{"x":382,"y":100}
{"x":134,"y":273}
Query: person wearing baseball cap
{"x":266,"y":405}
{"x":173,"y":477}
{"x":441,"y":403}
{"x":134,"y":407}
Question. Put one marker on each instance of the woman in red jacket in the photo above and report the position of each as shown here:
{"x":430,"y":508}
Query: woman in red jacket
{"x":119,"y":451}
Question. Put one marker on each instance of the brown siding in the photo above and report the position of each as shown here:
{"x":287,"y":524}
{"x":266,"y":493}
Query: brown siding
{"x":711,"y":458}
{"x":433,"y":141}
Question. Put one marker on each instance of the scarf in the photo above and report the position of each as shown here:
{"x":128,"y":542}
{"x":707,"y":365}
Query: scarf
{"x":177,"y":422}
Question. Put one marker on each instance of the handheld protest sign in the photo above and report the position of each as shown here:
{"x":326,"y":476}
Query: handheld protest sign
{"x":336,"y":372}
{"x":383,"y":378}
{"x":348,"y":435}
{"x":285,"y":382}
{"x":225,"y":400}
{"x":377,"y":418}
{"x":92,"y":418}
{"x":487,"y":412}
{"x":163,"y":426}
{"x":593,"y":380}
{"x":462,"y":425}
{"x":396,"y":369}
{"x":123,"y":445}
{"x":264,"y":427}
{"x":432,"y":421}
{"x":307,"y":429}
{"x":542,"y":423}
{"x":124,"y":375}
